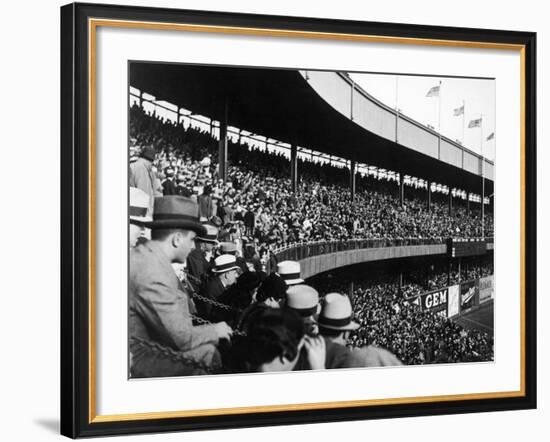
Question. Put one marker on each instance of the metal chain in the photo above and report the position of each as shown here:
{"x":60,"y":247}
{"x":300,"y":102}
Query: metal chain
{"x":214,"y":303}
{"x":203,"y":321}
{"x":170,"y":353}
{"x":196,"y":296}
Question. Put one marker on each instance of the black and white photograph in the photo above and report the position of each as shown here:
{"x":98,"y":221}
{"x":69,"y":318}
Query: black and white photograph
{"x":290,"y":220}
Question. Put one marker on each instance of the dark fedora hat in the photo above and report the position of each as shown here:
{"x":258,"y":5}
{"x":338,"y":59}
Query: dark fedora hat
{"x":148,"y":153}
{"x":176,"y":212}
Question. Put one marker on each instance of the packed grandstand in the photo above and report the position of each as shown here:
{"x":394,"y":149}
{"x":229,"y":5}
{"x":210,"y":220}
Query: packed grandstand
{"x":256,"y":218}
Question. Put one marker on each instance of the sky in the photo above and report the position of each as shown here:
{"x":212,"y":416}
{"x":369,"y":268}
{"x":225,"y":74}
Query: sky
{"x":409,"y":92}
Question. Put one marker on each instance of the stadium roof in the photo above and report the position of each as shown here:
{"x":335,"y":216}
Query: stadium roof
{"x":280,"y":104}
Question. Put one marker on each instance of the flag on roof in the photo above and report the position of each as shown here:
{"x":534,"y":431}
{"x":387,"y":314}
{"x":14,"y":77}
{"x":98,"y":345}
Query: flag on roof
{"x":433,"y":92}
{"x":491,"y":136}
{"x":458,"y":111}
{"x":474,"y":123}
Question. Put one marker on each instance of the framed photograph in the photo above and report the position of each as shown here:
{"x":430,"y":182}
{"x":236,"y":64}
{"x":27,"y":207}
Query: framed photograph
{"x":274,"y":220}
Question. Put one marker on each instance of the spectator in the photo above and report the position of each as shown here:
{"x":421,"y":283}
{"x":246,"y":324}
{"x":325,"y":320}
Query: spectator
{"x":290,"y":272}
{"x":224,"y":275}
{"x":273,"y":341}
{"x":201,"y":259}
{"x":159,"y":307}
{"x":139,"y":206}
{"x":206,"y":206}
{"x":142,"y":175}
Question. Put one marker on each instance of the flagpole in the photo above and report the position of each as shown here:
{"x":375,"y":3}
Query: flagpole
{"x":482,"y":179}
{"x":463,"y":122}
{"x":439,"y":122}
{"x":396,"y":105}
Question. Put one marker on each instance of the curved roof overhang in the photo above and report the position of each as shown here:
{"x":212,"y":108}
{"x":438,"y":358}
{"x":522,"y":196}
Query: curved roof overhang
{"x":280,"y":104}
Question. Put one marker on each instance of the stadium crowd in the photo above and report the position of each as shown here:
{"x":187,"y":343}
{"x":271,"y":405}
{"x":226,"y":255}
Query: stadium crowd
{"x":200,"y":301}
{"x":258,"y":193}
{"x":390,"y":318}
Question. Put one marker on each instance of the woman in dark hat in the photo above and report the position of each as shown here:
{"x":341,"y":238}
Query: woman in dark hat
{"x":272,"y":291}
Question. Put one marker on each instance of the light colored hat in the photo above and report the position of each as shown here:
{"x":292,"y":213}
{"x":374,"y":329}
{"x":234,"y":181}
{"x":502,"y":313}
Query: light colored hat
{"x":303,"y":299}
{"x":224,"y":263}
{"x":290,"y":272}
{"x":211,"y":235}
{"x":336,"y":313}
{"x":228,"y":247}
{"x":139,"y":205}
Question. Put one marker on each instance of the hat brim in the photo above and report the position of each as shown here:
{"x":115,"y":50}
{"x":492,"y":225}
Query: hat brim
{"x":351,"y":326}
{"x":294,"y":281}
{"x":225,"y":270}
{"x":140,"y":220}
{"x":209,"y":241}
{"x":194,"y":226}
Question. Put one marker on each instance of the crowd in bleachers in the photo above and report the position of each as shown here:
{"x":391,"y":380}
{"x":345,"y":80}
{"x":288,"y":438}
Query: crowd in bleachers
{"x":415,"y":336}
{"x":258,"y":193}
{"x":223,"y":313}
{"x":390,"y":318}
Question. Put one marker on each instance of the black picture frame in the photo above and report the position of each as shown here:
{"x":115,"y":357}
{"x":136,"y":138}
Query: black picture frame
{"x":76,"y":249}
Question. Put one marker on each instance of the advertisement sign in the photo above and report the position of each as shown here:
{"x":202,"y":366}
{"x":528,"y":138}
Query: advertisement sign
{"x":469,"y":294}
{"x":453,"y":301}
{"x":436,"y":300}
{"x":486,"y":289}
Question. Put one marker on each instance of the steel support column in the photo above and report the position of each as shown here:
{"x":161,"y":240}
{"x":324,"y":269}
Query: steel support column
{"x":222,"y":151}
{"x":352,"y":173}
{"x":294,"y":167}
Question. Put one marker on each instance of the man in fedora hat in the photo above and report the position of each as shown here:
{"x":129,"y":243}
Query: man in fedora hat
{"x":139,"y":205}
{"x":184,"y":186}
{"x":335,"y":325}
{"x":290,"y":272}
{"x":160,"y":307}
{"x":230,"y":248}
{"x":304,"y":300}
{"x":201,"y":259}
{"x":224,"y":275}
{"x":142,"y":174}
{"x":336,"y":354}
{"x":169,"y":185}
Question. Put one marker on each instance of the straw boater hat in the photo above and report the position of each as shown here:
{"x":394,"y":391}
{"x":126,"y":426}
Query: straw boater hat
{"x":224,"y":263}
{"x":211,"y":235}
{"x":290,"y":272}
{"x":176,"y":212}
{"x":302,"y":299}
{"x":139,"y":205}
{"x":228,"y":247}
{"x":336,"y":313}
